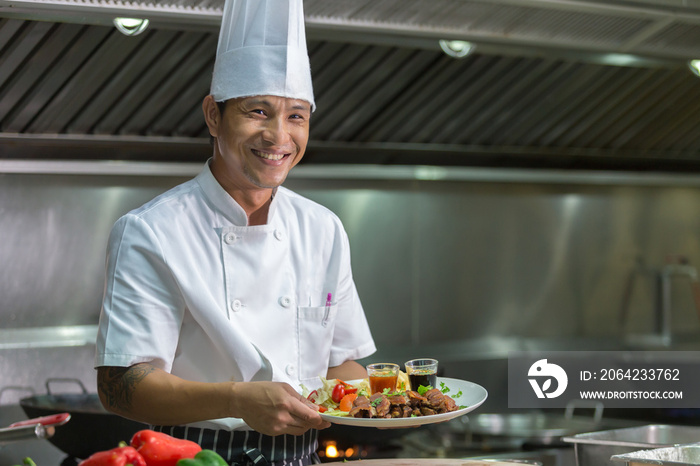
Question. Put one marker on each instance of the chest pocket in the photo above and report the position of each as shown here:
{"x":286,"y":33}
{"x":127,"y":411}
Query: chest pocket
{"x":315,"y":326}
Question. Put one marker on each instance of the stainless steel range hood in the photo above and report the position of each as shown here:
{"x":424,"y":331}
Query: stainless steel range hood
{"x":551,"y":83}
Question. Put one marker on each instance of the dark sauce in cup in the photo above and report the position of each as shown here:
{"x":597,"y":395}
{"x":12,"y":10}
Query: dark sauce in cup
{"x":424,"y":378}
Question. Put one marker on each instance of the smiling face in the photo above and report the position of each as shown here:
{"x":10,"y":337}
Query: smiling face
{"x":257,"y":140}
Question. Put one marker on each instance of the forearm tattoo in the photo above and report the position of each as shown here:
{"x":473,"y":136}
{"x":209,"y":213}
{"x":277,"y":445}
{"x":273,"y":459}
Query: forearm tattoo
{"x":117,"y":384}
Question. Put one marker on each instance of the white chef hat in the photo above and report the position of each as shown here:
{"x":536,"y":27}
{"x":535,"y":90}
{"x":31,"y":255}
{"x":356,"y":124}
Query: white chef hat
{"x":262,"y":51}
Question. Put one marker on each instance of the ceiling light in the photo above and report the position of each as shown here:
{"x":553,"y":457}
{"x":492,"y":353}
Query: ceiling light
{"x":620,"y":59}
{"x":130,"y":26}
{"x":456,"y":48}
{"x":694,"y":66}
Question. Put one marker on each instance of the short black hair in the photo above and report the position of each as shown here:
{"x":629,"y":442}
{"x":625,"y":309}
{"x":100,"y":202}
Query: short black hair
{"x":222,"y":106}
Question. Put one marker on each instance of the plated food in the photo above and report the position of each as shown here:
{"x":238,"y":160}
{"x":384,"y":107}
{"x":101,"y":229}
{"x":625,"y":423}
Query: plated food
{"x":355,"y":405}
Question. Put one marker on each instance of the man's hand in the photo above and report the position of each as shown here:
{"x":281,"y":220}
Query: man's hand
{"x":274,"y":408}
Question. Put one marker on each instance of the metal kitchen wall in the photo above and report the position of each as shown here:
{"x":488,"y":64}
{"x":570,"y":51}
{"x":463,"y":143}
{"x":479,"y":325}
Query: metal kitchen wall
{"x":459,"y":263}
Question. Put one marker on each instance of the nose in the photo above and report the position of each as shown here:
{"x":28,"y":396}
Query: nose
{"x":276,"y":132}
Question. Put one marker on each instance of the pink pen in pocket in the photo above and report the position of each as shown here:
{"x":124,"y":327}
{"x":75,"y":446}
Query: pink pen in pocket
{"x":328,"y":310}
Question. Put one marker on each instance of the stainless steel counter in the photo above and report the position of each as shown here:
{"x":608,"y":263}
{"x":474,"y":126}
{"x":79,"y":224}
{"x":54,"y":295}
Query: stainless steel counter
{"x":547,"y":457}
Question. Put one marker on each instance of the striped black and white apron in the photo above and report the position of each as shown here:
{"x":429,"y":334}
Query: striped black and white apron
{"x":247,"y":447}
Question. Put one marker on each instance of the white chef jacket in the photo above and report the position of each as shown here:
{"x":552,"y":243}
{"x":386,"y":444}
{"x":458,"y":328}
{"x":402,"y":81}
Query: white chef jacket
{"x":195,"y":291}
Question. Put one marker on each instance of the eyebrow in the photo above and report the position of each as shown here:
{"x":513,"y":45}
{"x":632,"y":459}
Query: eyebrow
{"x":247,"y":103}
{"x":267,"y":103}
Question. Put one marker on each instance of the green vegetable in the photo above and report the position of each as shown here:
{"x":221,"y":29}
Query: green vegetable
{"x":390,"y":392}
{"x":422,"y":390}
{"x":444,"y":388}
{"x":28,"y":462}
{"x":204,"y":458}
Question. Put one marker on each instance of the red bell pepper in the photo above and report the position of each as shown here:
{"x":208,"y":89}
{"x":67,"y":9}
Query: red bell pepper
{"x":312,"y":396}
{"x":159,"y":449}
{"x":121,"y":456}
{"x":348,"y":388}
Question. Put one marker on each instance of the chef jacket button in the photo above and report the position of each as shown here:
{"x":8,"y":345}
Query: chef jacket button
{"x":278,"y":235}
{"x":290,"y":369}
{"x":236,"y":305}
{"x":230,"y":238}
{"x":285,"y":301}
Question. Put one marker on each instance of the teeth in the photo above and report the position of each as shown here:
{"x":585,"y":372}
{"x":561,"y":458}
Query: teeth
{"x":267,"y":156}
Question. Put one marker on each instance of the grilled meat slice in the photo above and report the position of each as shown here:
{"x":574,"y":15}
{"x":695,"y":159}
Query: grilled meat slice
{"x":439,"y":402}
{"x":435,"y":397}
{"x":381,"y":404}
{"x":415,"y":399}
{"x":362,"y":408}
{"x":364,"y":411}
{"x":450,"y":404}
{"x":397,"y":400}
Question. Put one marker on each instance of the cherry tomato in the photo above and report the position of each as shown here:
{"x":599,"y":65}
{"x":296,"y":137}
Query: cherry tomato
{"x":338,"y":392}
{"x":346,"y":402}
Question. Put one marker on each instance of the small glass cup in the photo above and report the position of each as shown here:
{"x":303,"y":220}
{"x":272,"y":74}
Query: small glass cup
{"x":382,"y":376}
{"x":422,"y":372}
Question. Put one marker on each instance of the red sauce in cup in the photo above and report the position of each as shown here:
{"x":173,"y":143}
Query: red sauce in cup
{"x":379,"y":382}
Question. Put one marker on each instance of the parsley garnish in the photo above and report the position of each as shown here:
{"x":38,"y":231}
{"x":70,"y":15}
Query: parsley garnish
{"x":422,"y":390}
{"x":388,"y":392}
{"x":445,"y":389}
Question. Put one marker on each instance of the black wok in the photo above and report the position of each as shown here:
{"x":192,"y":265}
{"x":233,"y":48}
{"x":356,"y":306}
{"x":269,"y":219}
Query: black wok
{"x":91,"y":428}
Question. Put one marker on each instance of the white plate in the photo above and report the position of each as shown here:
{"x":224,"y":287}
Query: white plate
{"x":472,"y":397}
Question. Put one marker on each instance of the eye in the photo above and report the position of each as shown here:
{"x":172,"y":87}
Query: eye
{"x":299,"y":116}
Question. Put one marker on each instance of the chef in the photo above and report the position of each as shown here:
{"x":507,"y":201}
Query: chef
{"x":226,"y":293}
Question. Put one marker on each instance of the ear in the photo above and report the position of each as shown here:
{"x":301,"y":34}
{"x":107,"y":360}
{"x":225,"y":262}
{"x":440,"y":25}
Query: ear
{"x":211,"y":115}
